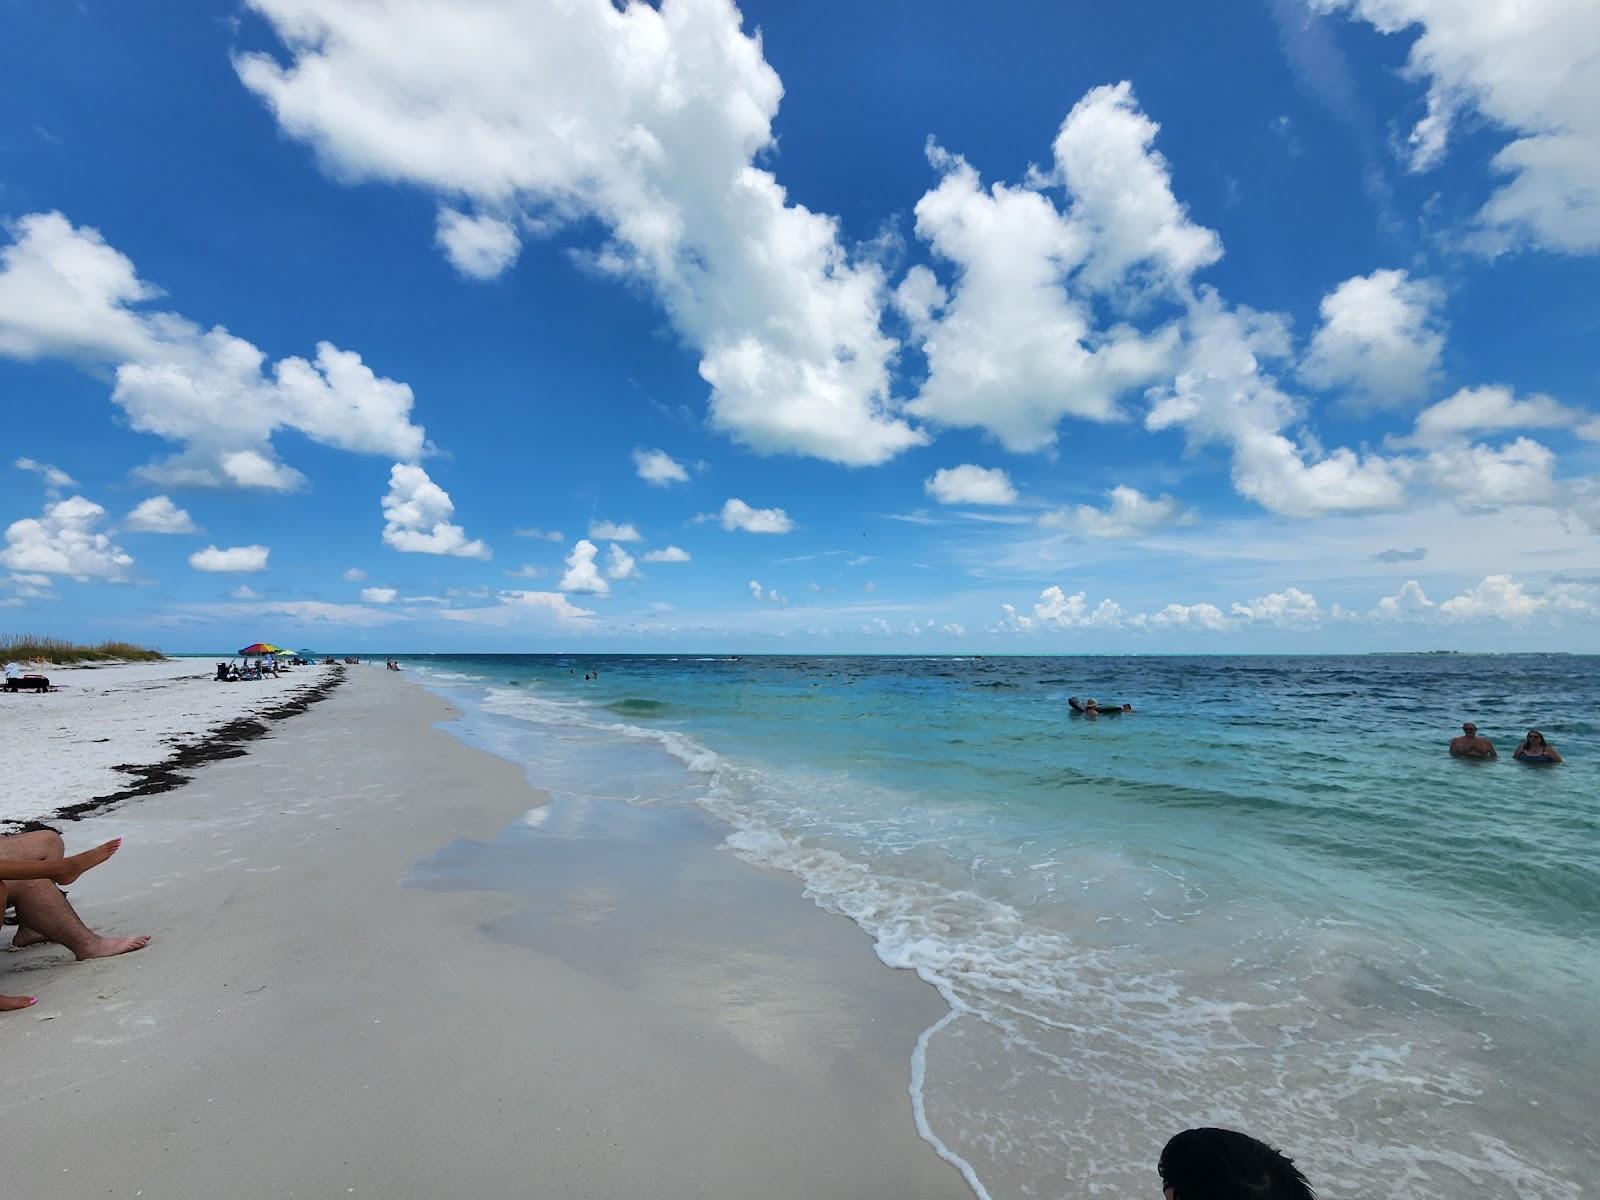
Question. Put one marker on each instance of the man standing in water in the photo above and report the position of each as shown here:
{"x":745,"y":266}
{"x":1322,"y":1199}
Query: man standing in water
{"x":1470,"y":745}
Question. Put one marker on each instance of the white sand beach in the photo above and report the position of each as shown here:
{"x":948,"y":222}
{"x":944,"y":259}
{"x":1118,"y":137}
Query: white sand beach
{"x":306,"y":1024}
{"x":63,"y":747}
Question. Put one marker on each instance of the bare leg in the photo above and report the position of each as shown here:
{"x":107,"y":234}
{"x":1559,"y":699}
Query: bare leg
{"x":11,"y":1003}
{"x":34,"y":864}
{"x":41,"y":844}
{"x":62,"y":870}
{"x":43,"y":910}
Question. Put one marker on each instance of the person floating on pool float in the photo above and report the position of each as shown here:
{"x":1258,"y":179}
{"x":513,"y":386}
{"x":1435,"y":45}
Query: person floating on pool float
{"x":1093,"y":708}
{"x":1535,"y":751}
{"x":1470,"y":745}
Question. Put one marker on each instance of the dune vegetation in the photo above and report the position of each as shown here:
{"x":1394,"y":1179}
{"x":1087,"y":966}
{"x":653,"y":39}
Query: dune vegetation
{"x":23,"y":647}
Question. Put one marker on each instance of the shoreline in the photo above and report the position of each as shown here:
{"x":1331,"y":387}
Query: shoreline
{"x":698,"y":1028}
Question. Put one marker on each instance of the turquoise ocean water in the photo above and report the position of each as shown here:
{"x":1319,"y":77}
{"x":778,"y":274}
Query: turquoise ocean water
{"x":1266,"y":900}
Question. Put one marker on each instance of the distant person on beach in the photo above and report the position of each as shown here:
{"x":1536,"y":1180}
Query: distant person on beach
{"x":1470,"y":745}
{"x":32,"y":865}
{"x":1222,"y":1164}
{"x":1535,"y":751}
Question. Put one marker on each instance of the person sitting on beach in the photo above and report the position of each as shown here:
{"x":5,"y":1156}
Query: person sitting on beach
{"x":32,"y":865}
{"x":1223,"y":1164}
{"x":1535,"y":751}
{"x":1470,"y":745}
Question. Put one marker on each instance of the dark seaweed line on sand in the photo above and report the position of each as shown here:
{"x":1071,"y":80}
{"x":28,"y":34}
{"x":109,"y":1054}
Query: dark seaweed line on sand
{"x":226,"y":741}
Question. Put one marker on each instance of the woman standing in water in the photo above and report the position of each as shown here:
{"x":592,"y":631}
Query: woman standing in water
{"x":1535,"y":750}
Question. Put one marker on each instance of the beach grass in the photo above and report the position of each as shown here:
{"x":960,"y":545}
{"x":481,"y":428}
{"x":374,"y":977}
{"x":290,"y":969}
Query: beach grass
{"x":23,"y":647}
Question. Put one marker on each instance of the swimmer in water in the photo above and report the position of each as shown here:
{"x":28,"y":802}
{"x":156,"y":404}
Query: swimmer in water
{"x":1093,"y":708}
{"x":1470,"y":745}
{"x":1536,"y":751}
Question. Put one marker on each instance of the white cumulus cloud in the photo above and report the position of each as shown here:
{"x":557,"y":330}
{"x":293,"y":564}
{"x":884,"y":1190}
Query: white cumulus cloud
{"x":158,"y":514}
{"x":480,"y":247}
{"x":1206,"y":617}
{"x":232,"y":559}
{"x":1014,"y":346}
{"x":1056,"y":609}
{"x":759,"y":593}
{"x":379,"y":595}
{"x":968,"y":484}
{"x":1043,"y":318}
{"x":1492,"y":409}
{"x":416,"y":516}
{"x":658,"y":468}
{"x":667,"y":554}
{"x":1224,"y":392}
{"x":582,"y":575}
{"x":64,"y":540}
{"x":650,"y":120}
{"x":1531,"y":70}
{"x":737,"y":515}
{"x":1407,"y":602}
{"x":1290,"y":608}
{"x":1380,"y":337}
{"x":65,"y":293}
{"x":1493,"y":598}
{"x":1496,"y":596}
{"x":620,"y":564}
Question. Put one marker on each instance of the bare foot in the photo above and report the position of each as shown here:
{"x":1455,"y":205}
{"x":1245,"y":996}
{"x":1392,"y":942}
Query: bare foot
{"x":26,"y":937}
{"x":12,"y":1003}
{"x":103,"y":947}
{"x":76,"y":864}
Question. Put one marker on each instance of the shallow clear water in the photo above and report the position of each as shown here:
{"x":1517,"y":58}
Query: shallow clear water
{"x":1267,"y":900}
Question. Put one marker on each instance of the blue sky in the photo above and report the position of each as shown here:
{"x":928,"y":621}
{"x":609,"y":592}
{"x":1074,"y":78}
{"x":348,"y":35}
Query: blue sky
{"x":549,"y":325}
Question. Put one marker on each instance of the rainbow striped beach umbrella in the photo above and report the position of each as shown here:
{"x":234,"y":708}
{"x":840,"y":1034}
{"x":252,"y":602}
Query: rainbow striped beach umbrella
{"x":256,"y":649}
